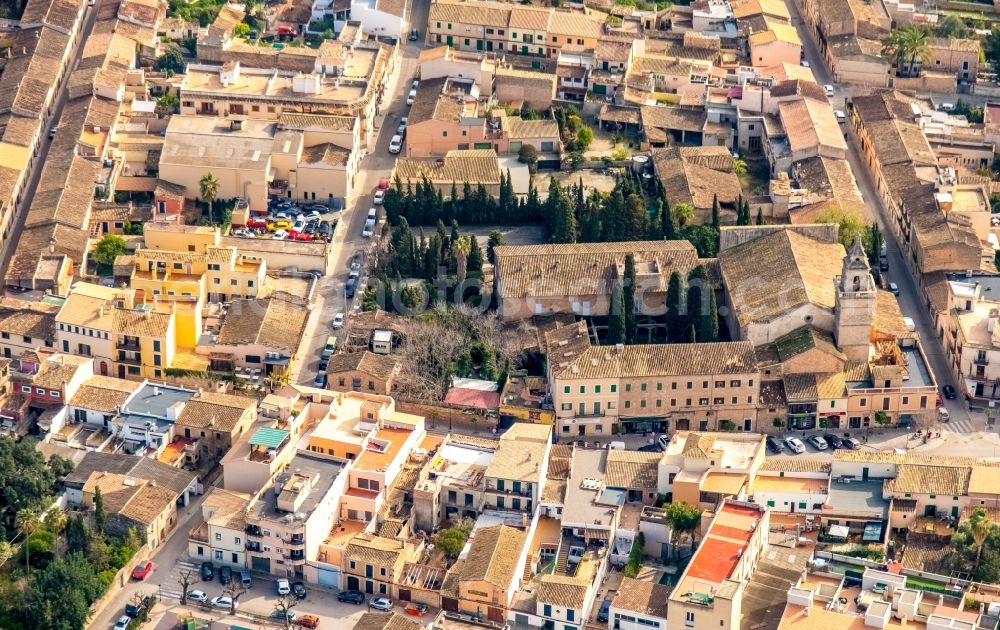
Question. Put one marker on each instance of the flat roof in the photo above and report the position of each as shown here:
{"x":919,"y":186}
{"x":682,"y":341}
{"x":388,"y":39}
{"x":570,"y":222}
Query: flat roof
{"x":920,"y":374}
{"x":789,"y":484}
{"x":862,"y":498}
{"x":583,"y":504}
{"x":720,"y":551}
{"x":382,"y":448}
{"x":304,"y":464}
{"x":154,"y":400}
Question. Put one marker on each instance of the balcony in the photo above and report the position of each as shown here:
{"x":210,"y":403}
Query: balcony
{"x":295,"y":541}
{"x":128,"y":344}
{"x":294,"y":557}
{"x":981,"y":360}
{"x":254,"y":531}
{"x":253,"y":546}
{"x":127,"y":360}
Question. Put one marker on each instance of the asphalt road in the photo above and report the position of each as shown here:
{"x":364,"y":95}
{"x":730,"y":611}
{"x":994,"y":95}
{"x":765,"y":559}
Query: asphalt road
{"x":910,"y":300}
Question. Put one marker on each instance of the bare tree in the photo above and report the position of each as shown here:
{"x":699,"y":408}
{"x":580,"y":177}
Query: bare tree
{"x":430,"y":351}
{"x":186,"y":579}
{"x":233,"y":591}
{"x":284,"y":605}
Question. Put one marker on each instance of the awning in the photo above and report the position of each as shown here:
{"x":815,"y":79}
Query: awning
{"x":838,"y":531}
{"x":597,"y":534}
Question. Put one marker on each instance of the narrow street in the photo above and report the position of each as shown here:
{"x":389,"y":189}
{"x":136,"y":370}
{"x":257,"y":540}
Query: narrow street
{"x":910,"y":298}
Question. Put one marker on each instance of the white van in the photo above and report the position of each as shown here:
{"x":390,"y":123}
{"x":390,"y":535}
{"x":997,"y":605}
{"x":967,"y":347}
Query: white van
{"x":910,"y":325}
{"x":616,"y":446}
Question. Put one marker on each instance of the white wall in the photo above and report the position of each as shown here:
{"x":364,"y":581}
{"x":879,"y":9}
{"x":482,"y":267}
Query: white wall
{"x":624,"y":624}
{"x":375,"y":22}
{"x":856,"y":469}
{"x":321,"y":521}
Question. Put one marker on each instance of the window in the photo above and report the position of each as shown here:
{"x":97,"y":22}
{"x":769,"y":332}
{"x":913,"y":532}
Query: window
{"x":628,"y":387}
{"x":690,"y":385}
{"x":702,"y":401}
{"x":628,"y":404}
{"x":547,"y":610}
{"x":445,"y":133}
{"x":718,"y":400}
{"x":583,"y":389}
{"x":614,"y":388}
{"x":27,"y":339}
{"x":566,"y":389}
{"x":720,"y":383}
{"x":597,"y":389}
{"x":659,"y":402}
{"x":734,"y":383}
{"x":218,"y":536}
{"x":642,"y":387}
{"x":565,"y":406}
{"x":569,"y":614}
{"x":642,"y":404}
{"x":53,"y":392}
{"x":659,"y":387}
{"x":689,"y":619}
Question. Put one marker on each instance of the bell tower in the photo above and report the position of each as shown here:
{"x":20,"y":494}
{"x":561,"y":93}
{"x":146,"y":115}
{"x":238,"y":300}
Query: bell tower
{"x":855,"y":304}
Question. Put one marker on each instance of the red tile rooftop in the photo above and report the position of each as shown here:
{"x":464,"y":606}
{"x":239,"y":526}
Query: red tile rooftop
{"x":723,"y":544}
{"x":372,"y":459}
{"x":361,"y":494}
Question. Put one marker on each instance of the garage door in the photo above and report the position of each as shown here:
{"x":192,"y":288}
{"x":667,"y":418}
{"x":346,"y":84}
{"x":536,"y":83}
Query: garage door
{"x":329,"y":578}
{"x":260,"y":564}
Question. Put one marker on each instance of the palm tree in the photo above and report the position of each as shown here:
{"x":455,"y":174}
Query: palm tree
{"x":209,"y":189}
{"x":739,"y":166}
{"x":683,"y":212}
{"x":906,"y":47}
{"x":27,"y":522}
{"x":461,"y":249}
{"x":980,"y":527}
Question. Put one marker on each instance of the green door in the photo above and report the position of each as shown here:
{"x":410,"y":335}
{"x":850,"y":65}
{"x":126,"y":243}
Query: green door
{"x":449,"y":40}
{"x":954,"y":511}
{"x":600,"y":88}
{"x":524,"y":50}
{"x":929,"y":510}
{"x":864,"y":474}
{"x":479,"y":44}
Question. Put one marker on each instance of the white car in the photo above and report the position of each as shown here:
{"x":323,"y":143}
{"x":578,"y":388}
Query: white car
{"x":369,"y":228}
{"x":893,"y":288}
{"x":338,"y":320}
{"x":828,"y":89}
{"x":372,"y":214}
{"x":805,"y":64}
{"x":396,"y":144}
{"x":415,"y":85}
{"x":404,"y":121}
{"x":312,"y":215}
{"x":795,"y":445}
{"x":280,"y":235}
{"x":197,"y":596}
{"x":381,"y":603}
{"x":817,"y":442}
{"x":123,"y":622}
{"x":283,"y":587}
{"x":224,"y":602}
{"x":379,"y":197}
{"x":841,"y":116}
{"x":412,"y":96}
{"x":299,"y":225}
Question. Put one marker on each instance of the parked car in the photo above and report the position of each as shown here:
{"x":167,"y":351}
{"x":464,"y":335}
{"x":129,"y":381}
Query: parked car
{"x":774,"y":445}
{"x":817,"y":442}
{"x":381,"y":603}
{"x":304,"y":235}
{"x":279,"y":235}
{"x":850,"y":444}
{"x":338,"y":320}
{"x":258,"y":223}
{"x":840,"y":115}
{"x":379,"y":197}
{"x":893,"y":288}
{"x":142,"y":571}
{"x":372,"y":214}
{"x":313,"y":214}
{"x":307,"y":621}
{"x":320,"y":380}
{"x":279,"y":225}
{"x":412,"y":96}
{"x":416,"y":609}
{"x":225,"y":575}
{"x":224,"y":601}
{"x":949,"y":392}
{"x":283,"y":586}
{"x":123,"y":622}
{"x":805,"y":64}
{"x":324,"y":230}
{"x":795,"y":445}
{"x":414,"y":35}
{"x":415,"y":84}
{"x":396,"y":144}
{"x":329,"y":347}
{"x":132,"y":609}
{"x":833,"y":440}
{"x":207,"y":571}
{"x":369,"y":228}
{"x":299,"y":590}
{"x":197,"y":596}
{"x":828,"y":89}
{"x":602,"y":614}
{"x":351,"y":597}
{"x":352,"y":285}
{"x":281,"y":615}
{"x":650,"y":448}
{"x":244,"y":233}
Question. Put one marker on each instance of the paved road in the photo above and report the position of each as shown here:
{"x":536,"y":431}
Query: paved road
{"x":330,"y":296}
{"x":36,"y":164}
{"x":910,"y":300}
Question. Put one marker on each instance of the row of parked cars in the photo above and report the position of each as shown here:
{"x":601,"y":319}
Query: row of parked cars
{"x":396,"y":142}
{"x":819,"y":442}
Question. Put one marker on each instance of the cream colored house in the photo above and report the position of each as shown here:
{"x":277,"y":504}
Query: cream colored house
{"x":221,"y":536}
{"x":777,"y":45}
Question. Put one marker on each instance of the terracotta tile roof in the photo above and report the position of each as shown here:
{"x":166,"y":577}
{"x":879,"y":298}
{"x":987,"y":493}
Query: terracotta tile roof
{"x":574,"y":24}
{"x":493,"y":555}
{"x":563,"y":591}
{"x":103,"y":393}
{"x":466,"y":397}
{"x":583,"y":268}
{"x":471,"y":13}
{"x":59,"y":370}
{"x":226,"y":508}
{"x":560,"y":460}
{"x":774,"y":274}
{"x":642,"y":597}
{"x":772,"y":394}
{"x":308,"y":121}
{"x":141,"y":323}
{"x":472,"y":166}
{"x":929,"y":479}
{"x":374,"y":550}
{"x":30,"y":319}
{"x":695,"y":175}
{"x":984,"y":480}
{"x":149,"y":503}
{"x":811,"y":124}
{"x":777,"y":33}
{"x":326,"y":153}
{"x":954,"y":43}
{"x":892,"y":457}
{"x":385,"y":621}
{"x":276,"y":322}
{"x":516,"y":461}
{"x":519,"y":129}
{"x":222,"y":412}
{"x":799,"y":87}
{"x":378,"y":365}
{"x":672,"y":118}
{"x":800,"y":387}
{"x":700,"y":446}
{"x":641,"y":360}
{"x":804,"y":339}
{"x":793,"y":465}
{"x":116,"y":489}
{"x":529,"y":19}
{"x":631,"y":469}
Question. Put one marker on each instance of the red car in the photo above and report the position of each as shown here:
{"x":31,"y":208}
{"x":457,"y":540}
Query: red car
{"x":259,"y":223}
{"x":303,"y":236}
{"x":142,"y":571}
{"x":383,"y":184}
{"x":307,"y":621}
{"x":287,"y":31}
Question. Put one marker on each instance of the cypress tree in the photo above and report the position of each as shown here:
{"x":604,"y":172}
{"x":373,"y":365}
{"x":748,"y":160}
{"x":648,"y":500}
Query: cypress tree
{"x":760,"y":216}
{"x":475,"y":262}
{"x":697,"y":302}
{"x":454,"y":233}
{"x":616,"y":315}
{"x":675,"y":308}
{"x":614,"y":219}
{"x":693,"y":334}
{"x":559,"y":207}
{"x":629,"y":299}
{"x":715,"y":211}
{"x":709,"y":328}
{"x":667,"y":222}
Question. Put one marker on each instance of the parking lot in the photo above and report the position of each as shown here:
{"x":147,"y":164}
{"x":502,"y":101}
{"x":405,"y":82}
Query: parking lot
{"x":259,"y":600}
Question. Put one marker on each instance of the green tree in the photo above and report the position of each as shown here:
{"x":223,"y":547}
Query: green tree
{"x":675,"y":308}
{"x":739,"y":166}
{"x":496,"y":239}
{"x":460,"y":248}
{"x":952,"y":27}
{"x":991,"y":47}
{"x":528,"y":154}
{"x":700,"y":299}
{"x":709,"y":328}
{"x":110,"y":247}
{"x":683,"y":518}
{"x":584,"y":137}
{"x":241,"y":30}
{"x":475,"y":256}
{"x":682,"y":213}
{"x":873,"y":245}
{"x":616,"y":315}
{"x":909,"y":48}
{"x":667,"y":221}
{"x":975,"y":549}
{"x":760,"y":216}
{"x":563,"y":217}
{"x":452,"y":539}
{"x":881,"y":418}
{"x":171,"y":61}
{"x":851,"y":225}
{"x":504,"y":375}
{"x":208,"y":187}
{"x":628,"y":297}
{"x":27,"y":524}
{"x":715,"y":211}
{"x":61,"y":593}
{"x":402,"y":245}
